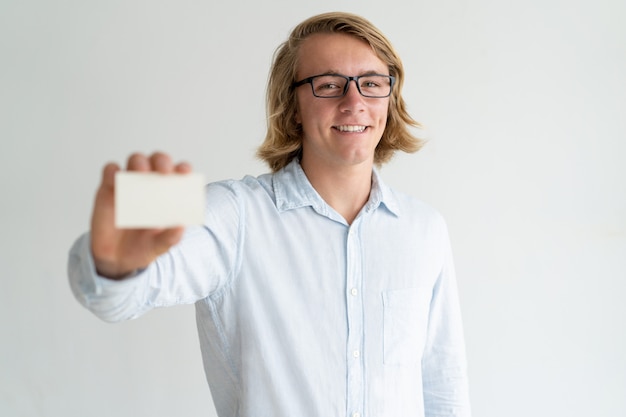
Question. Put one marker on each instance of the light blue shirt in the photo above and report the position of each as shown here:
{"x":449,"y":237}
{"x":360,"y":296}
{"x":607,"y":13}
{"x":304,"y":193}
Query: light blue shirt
{"x":300,"y":313}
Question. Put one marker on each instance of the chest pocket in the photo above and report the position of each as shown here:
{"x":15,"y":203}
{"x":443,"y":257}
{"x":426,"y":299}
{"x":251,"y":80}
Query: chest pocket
{"x":405,"y":325}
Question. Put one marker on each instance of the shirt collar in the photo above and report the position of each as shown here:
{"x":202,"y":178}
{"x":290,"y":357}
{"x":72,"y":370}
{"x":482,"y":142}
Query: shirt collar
{"x":293,"y":190}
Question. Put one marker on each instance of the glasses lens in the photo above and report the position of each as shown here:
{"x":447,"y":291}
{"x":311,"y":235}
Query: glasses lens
{"x":334,"y":85}
{"x":375,"y":85}
{"x":329,"y":86}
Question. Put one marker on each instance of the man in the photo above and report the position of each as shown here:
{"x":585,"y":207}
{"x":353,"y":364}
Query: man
{"x":319,"y":291}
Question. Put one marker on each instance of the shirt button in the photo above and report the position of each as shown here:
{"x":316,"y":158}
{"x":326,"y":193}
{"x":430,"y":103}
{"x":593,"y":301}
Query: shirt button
{"x":356,"y":353}
{"x":356,"y":414}
{"x":354,"y":291}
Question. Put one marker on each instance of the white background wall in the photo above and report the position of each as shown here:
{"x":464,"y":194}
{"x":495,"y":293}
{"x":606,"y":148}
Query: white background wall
{"x":523,"y":104}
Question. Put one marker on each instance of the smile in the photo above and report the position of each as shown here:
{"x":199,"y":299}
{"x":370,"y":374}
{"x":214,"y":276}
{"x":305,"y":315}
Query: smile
{"x":345,"y":128}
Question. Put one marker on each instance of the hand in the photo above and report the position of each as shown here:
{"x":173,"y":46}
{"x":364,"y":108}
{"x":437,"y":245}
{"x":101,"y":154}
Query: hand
{"x":119,"y":252}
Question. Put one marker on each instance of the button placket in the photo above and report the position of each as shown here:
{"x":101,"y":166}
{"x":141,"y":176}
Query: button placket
{"x":354,"y":358}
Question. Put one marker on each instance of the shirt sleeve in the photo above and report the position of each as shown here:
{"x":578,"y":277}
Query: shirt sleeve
{"x":205,"y":260}
{"x":444,"y":367}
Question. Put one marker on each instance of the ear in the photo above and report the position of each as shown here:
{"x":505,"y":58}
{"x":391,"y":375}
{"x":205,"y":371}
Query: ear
{"x":297,"y":118}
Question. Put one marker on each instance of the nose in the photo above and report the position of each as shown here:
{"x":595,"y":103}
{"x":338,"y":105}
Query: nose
{"x":352,"y":100}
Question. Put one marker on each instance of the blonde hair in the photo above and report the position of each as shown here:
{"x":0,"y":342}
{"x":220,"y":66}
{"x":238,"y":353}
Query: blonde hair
{"x":283,"y":140}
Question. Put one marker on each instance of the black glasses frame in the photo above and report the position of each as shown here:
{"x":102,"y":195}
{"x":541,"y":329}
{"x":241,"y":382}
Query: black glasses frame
{"x":309,"y":80}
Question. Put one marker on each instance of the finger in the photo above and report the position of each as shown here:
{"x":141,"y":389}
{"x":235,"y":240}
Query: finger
{"x":138,"y":162}
{"x":161,"y":163}
{"x":183,"y":168}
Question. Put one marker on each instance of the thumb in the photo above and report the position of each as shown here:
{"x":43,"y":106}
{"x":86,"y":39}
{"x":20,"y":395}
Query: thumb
{"x":103,"y":215}
{"x":108,"y":176}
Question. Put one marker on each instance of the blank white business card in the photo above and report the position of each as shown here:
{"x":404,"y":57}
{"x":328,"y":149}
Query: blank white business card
{"x":152,"y":200}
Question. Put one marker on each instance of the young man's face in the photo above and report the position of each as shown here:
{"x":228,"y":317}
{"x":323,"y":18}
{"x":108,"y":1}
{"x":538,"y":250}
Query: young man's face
{"x":339,"y":131}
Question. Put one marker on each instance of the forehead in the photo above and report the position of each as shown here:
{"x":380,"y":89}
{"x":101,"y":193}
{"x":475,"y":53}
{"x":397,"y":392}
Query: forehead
{"x":337,"y":52}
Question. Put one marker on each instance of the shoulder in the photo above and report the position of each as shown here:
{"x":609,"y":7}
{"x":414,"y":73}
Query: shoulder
{"x":414,"y":212}
{"x":240,"y":190}
{"x":413,"y":206}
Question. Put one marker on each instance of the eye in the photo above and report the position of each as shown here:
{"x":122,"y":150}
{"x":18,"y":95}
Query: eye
{"x":328,"y":86}
{"x":370,"y":84}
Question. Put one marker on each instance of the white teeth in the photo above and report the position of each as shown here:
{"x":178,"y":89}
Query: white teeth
{"x":350,"y":128}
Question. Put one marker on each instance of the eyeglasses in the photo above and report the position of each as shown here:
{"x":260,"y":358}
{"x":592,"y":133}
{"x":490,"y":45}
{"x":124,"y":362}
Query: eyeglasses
{"x":336,"y":85}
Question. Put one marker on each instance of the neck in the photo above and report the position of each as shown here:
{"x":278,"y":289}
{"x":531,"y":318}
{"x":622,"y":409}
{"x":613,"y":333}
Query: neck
{"x":345,"y":189}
